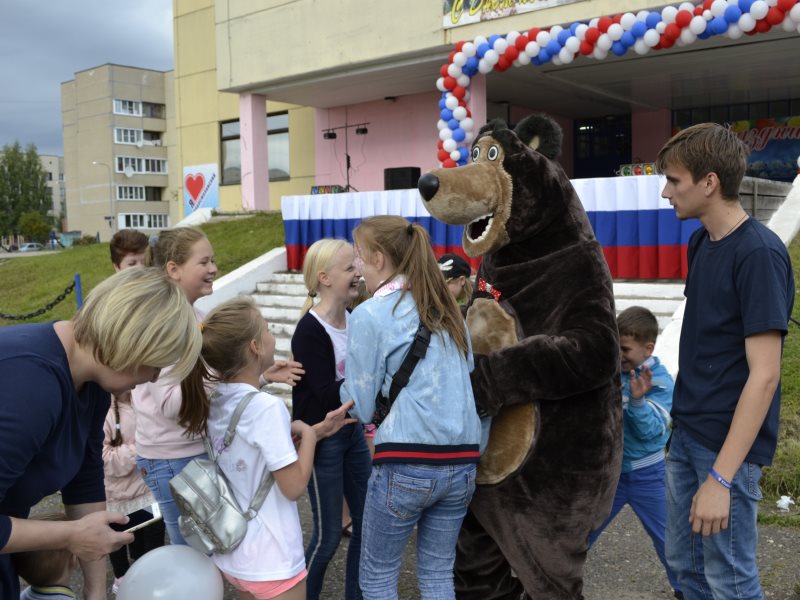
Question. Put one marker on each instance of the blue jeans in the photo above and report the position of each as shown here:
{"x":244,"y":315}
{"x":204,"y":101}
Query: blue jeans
{"x":342,"y":465}
{"x":156,"y":474}
{"x":400,"y":496}
{"x":646,"y":492}
{"x":721,"y":566}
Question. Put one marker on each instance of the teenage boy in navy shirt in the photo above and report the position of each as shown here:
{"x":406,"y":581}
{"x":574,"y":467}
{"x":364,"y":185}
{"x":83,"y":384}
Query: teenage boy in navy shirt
{"x":739,"y":296}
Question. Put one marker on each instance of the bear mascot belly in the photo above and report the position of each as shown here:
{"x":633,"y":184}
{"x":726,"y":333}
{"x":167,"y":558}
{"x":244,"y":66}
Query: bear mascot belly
{"x":544,"y":332}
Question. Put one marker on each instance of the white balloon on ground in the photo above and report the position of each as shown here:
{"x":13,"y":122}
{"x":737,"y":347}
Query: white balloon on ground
{"x":174,"y":572}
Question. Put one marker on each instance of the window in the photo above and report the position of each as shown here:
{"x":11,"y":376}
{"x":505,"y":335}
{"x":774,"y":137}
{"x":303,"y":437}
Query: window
{"x":129,"y":162}
{"x":156,"y":166}
{"x":152,"y":194}
{"x":127,"y":136}
{"x":152,"y":138}
{"x":130,"y":192}
{"x":127,"y":107}
{"x":277,"y":149}
{"x":144,"y":220}
{"x":153,"y":111}
{"x":735,"y":112}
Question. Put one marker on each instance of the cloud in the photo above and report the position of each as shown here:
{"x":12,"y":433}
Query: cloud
{"x":45,"y":42}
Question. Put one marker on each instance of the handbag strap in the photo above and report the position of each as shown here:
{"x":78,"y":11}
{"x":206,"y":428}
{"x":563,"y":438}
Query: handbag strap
{"x":267,"y":480}
{"x":418,"y":350}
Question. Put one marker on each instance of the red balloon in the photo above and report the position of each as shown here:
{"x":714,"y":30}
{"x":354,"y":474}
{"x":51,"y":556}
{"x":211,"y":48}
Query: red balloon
{"x":458,"y":91}
{"x":666,"y":42}
{"x":586,"y":48}
{"x":672,"y":31}
{"x":774,"y":16}
{"x":683,"y":18}
{"x":469,"y":113}
{"x":592,"y":35}
{"x":502,"y":64}
{"x":450,"y":56}
{"x":521,"y":42}
{"x":707,"y":4}
{"x":604,"y":23}
{"x":442,"y":155}
{"x":440,"y":144}
{"x":443,"y":71}
{"x":460,"y":45}
{"x":698,"y":11}
{"x":450,"y":83}
{"x":617,"y":18}
{"x":511,"y":53}
{"x":449,"y":163}
{"x":532,"y":33}
{"x":786,"y":5}
{"x":763,"y":26}
{"x":462,"y":103}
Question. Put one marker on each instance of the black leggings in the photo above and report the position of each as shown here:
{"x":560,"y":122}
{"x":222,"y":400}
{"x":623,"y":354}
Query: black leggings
{"x":146,"y":539}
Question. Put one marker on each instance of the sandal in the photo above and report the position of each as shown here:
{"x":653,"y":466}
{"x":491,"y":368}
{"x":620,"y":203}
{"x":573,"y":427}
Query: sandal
{"x":347,"y":530}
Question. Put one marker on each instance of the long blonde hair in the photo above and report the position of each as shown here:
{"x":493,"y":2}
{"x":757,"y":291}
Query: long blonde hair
{"x":320,"y":257}
{"x":227,"y":332}
{"x":408,"y":247}
{"x":138,"y":318}
{"x":172,"y":245}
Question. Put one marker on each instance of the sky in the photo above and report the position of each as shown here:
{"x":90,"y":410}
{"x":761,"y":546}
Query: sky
{"x":45,"y":42}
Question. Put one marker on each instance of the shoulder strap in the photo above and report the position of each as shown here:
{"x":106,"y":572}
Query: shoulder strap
{"x":418,"y":350}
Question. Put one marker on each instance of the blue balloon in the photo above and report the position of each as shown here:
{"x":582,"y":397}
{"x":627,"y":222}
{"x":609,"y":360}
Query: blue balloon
{"x":732,"y":14}
{"x":464,"y":153}
{"x":453,"y":124}
{"x":442,"y":104}
{"x":472,"y":63}
{"x":461,"y":162}
{"x":493,"y":39}
{"x":718,"y":25}
{"x":483,"y":49}
{"x":536,"y":60}
{"x":639,"y":29}
{"x":553,"y":47}
{"x":627,"y":39}
{"x":573,"y":28}
{"x":459,"y":135}
{"x":745,"y":5}
{"x":705,"y":35}
{"x":563,"y":36}
{"x":652,"y":20}
{"x":618,"y":48}
{"x":446,"y":114}
{"x":469,"y":71}
{"x":543,"y":56}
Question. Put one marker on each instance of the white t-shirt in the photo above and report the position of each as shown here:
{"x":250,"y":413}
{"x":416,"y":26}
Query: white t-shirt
{"x":339,"y":340}
{"x":272,"y":549}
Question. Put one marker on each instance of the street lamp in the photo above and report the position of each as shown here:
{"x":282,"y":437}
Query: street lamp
{"x":111,"y":218}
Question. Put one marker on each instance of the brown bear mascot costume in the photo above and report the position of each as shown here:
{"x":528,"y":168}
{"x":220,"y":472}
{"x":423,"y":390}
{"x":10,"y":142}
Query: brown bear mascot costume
{"x":544,"y":334}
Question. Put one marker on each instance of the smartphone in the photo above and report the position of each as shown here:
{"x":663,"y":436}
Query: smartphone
{"x":156,"y":517}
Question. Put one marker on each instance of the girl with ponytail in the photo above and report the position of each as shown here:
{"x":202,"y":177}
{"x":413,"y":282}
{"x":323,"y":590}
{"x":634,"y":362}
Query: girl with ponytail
{"x":426,"y":449}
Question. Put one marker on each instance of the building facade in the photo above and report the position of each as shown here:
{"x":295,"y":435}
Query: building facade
{"x":53,"y":165}
{"x":119,"y":150}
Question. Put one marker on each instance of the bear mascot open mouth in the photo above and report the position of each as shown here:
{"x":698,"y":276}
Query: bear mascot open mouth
{"x":544,"y":334}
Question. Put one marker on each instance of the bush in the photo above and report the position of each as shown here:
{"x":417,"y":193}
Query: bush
{"x":86,"y":240}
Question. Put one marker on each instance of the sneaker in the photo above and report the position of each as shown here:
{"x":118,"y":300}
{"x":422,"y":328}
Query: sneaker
{"x":115,"y":585}
{"x":678,"y":594}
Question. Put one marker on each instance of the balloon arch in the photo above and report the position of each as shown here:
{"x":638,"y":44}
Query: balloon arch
{"x":643,"y":31}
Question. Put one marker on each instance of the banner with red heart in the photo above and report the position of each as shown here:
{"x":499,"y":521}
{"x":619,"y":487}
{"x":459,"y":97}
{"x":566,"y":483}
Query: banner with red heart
{"x":200,"y":188}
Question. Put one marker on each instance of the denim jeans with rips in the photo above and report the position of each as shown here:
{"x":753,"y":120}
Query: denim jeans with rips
{"x":400,"y":496}
{"x":721,"y":566}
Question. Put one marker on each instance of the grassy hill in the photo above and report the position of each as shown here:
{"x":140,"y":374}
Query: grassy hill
{"x":27,"y":284}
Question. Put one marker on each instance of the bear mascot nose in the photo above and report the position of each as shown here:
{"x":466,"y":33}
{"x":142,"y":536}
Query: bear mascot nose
{"x":428,"y":185}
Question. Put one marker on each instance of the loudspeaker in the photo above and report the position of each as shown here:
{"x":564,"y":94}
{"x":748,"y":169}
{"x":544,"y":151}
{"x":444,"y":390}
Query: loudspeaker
{"x":401,"y":178}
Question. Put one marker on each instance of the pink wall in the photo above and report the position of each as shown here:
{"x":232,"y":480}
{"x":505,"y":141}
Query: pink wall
{"x":402,"y":133}
{"x":649,"y":131}
{"x":566,"y":159}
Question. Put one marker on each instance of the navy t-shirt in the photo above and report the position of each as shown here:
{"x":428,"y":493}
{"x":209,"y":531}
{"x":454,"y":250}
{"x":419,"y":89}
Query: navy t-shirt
{"x":738,"y":286}
{"x":51,"y":437}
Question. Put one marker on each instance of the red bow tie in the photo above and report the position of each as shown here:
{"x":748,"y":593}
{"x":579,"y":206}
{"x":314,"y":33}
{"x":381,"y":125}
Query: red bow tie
{"x":484,"y":286}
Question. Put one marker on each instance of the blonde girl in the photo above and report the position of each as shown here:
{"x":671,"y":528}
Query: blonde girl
{"x":426,"y":449}
{"x":342,"y":462}
{"x":237,"y":348}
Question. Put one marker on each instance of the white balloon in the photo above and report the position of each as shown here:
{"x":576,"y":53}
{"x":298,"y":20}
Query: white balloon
{"x":491,"y":57}
{"x":451,"y":101}
{"x":467,"y":124}
{"x":468,"y":137}
{"x":651,"y":37}
{"x":687,"y":37}
{"x":532,"y":49}
{"x":445,"y":134}
{"x":697,"y":25}
{"x":580,"y":31}
{"x":734,"y":32}
{"x":668,"y":14}
{"x":772,"y":2}
{"x":441,"y":124}
{"x":542,"y":38}
{"x":455,"y":155}
{"x":572,"y":44}
{"x":642,"y":15}
{"x":480,"y":40}
{"x":759,"y":9}
{"x":794,"y":14}
{"x":460,"y":59}
{"x":174,"y":572}
{"x":440,"y":84}
{"x":718,"y":7}
{"x":687,"y":6}
{"x":466,"y":96}
{"x":463,"y":80}
{"x":595,"y":21}
{"x":469,"y":49}
{"x":788,"y":24}
{"x":615,"y":31}
{"x":747,"y":23}
{"x":511,"y":37}
{"x":599,"y":53}
{"x":565,"y":56}
{"x":500,"y":45}
{"x":707,"y":15}
{"x":459,"y":113}
{"x":555,"y":30}
{"x":523,"y":59}
{"x":603,"y":42}
{"x":449,"y":146}
{"x":484,"y":67}
{"x":627,"y":21}
{"x":454,"y":70}
{"x":555,"y":60}
{"x":640,"y":47}
{"x":661,"y":27}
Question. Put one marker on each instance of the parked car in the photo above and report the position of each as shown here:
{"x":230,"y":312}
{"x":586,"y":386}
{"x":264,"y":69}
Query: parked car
{"x":31,"y":247}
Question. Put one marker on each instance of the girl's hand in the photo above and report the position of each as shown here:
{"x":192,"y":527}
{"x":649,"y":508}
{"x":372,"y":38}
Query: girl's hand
{"x":335,"y":420}
{"x":283,"y":371}
{"x":302,"y":432}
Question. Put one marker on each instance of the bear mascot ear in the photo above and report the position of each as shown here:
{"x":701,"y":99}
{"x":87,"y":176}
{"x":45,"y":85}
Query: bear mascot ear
{"x":541,"y":133}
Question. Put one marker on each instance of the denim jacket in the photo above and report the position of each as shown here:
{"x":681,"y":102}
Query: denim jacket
{"x":433,"y":419}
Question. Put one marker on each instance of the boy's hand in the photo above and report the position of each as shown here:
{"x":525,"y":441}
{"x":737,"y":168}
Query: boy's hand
{"x":642,"y":384}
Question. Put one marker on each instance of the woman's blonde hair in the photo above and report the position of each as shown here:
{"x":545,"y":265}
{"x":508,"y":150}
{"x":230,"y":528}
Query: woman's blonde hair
{"x":408,"y":247}
{"x":466,"y":291}
{"x":227,"y":332}
{"x":139,"y":318}
{"x":172,"y":245}
{"x":320,"y":257}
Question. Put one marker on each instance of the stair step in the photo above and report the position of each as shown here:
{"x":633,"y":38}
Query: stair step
{"x":287,"y":278}
{"x":278,"y":300}
{"x":280,"y":314}
{"x":648,"y":290}
{"x":282,"y":288}
{"x":665,"y":307}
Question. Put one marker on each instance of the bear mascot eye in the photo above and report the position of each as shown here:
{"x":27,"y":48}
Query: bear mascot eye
{"x":493,"y":153}
{"x":476,"y":152}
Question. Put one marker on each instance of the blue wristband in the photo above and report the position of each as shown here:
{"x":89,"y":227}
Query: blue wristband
{"x":720,"y":478}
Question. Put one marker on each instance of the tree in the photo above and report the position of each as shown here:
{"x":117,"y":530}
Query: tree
{"x":34,"y":226}
{"x":23,"y":186}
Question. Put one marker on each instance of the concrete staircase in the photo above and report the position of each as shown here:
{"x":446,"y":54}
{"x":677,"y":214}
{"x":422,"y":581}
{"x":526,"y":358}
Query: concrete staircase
{"x":662,"y":299}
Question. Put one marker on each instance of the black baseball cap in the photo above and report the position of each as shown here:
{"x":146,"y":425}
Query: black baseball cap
{"x":453,"y":265}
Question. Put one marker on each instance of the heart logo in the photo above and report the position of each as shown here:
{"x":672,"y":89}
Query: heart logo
{"x":194,"y":185}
